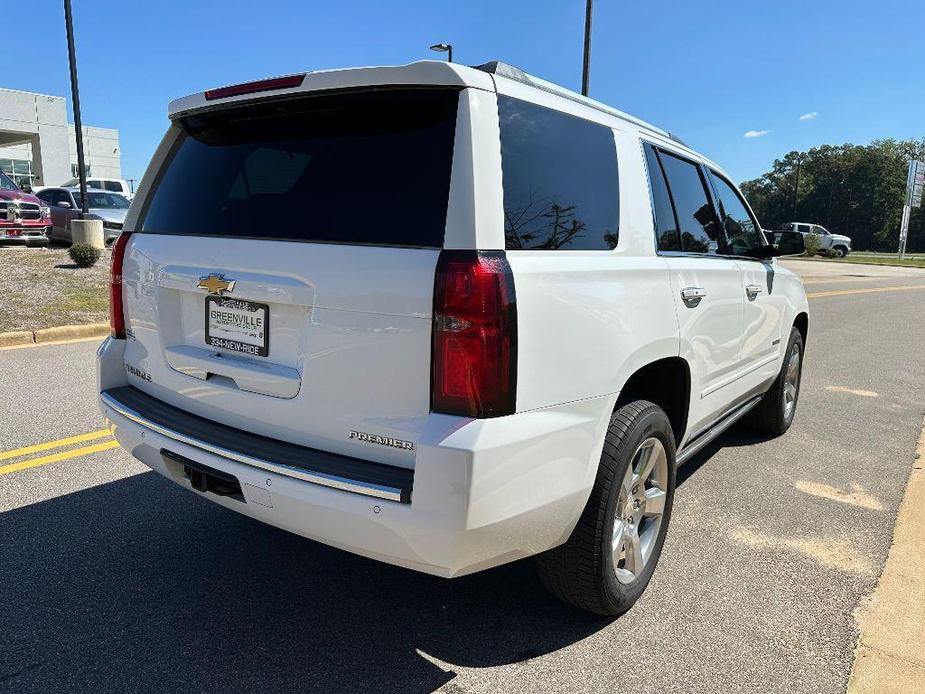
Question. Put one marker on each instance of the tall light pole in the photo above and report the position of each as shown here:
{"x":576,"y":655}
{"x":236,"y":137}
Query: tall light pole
{"x":75,"y":98}
{"x":586,"y":63}
{"x":444,"y":48}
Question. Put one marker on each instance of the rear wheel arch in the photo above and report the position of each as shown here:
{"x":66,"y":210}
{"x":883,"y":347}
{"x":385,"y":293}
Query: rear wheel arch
{"x":665,"y":382}
{"x":801,"y":323}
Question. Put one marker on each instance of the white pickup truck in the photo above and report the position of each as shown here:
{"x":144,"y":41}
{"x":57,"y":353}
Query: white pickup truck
{"x":836,"y":245}
{"x":445,"y":317}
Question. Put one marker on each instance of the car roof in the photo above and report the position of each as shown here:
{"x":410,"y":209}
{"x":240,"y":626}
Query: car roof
{"x":425,"y":72}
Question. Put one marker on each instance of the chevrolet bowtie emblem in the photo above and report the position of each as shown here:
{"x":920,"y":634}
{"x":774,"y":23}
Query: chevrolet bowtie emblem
{"x":216,"y":284}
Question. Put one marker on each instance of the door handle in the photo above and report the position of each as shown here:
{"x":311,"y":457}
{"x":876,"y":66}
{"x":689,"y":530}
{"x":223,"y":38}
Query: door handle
{"x":692,"y":296}
{"x":752,"y":290}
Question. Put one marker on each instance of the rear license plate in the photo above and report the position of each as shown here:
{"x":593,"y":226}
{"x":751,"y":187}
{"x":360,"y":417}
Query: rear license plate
{"x":238,"y":325}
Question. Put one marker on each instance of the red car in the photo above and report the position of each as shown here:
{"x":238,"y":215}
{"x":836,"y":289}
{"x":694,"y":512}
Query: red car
{"x":23,"y":217}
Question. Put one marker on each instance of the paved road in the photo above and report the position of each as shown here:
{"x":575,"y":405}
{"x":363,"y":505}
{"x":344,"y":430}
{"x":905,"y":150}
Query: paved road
{"x":114,"y":580}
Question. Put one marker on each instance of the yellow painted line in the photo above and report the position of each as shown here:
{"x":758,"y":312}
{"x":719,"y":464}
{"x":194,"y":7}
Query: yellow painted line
{"x":842,"y":292}
{"x":855,"y":494}
{"x":59,"y":443}
{"x":55,"y":457}
{"x":51,"y":344}
{"x":853,"y":391}
{"x":836,"y":279}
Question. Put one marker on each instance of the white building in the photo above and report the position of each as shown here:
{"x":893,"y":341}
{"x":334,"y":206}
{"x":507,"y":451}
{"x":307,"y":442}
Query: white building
{"x":38,"y":145}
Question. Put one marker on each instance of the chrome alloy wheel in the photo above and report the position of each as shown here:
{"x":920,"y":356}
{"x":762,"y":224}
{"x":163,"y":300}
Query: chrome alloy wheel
{"x":791,"y":381}
{"x":640,"y":506}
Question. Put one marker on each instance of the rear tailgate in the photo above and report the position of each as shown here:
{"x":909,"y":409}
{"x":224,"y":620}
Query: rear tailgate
{"x":282,"y":279}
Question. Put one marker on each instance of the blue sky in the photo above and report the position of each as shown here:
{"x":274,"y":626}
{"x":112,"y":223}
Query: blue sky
{"x":708,"y":71}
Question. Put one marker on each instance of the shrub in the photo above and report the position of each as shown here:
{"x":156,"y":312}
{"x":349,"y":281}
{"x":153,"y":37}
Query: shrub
{"x":812,"y":244}
{"x":84,"y":255}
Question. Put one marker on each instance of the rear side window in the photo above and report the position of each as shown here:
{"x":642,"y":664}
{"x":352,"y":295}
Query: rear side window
{"x":559,"y":175}
{"x":667,"y":235}
{"x":700,"y":230}
{"x":370,"y":167}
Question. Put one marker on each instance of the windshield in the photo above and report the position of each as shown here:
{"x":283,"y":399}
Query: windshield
{"x":364,"y":167}
{"x":105,"y":201}
{"x":6,"y":183}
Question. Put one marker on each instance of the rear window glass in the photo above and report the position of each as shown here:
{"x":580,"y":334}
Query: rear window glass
{"x":367,"y":167}
{"x":559,"y":175}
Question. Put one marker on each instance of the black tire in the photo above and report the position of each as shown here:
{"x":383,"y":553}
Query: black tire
{"x":841,"y":251}
{"x":582,"y":571}
{"x":769,"y":416}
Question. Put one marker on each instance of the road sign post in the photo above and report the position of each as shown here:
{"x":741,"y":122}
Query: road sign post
{"x":904,"y":230}
{"x":915,"y":182}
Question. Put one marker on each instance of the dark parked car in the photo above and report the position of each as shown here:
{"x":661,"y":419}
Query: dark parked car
{"x":102,"y":204}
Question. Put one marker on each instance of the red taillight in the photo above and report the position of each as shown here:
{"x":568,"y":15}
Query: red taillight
{"x":259,"y":86}
{"x":116,"y":310}
{"x":475,"y":335}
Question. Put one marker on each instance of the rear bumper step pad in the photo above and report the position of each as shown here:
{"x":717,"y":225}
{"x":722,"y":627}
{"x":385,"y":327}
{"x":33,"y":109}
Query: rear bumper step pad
{"x":311,"y":465}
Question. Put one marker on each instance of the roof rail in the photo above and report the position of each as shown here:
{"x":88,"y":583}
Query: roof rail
{"x":496,"y":67}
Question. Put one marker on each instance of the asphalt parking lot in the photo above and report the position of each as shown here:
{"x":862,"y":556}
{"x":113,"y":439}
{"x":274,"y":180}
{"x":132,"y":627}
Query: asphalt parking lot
{"x":114,"y":580}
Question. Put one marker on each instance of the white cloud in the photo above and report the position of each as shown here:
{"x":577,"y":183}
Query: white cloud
{"x":809,"y":116}
{"x":756,"y":133}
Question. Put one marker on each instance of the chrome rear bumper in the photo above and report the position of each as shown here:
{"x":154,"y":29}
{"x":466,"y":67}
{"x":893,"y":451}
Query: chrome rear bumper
{"x":302,"y":463}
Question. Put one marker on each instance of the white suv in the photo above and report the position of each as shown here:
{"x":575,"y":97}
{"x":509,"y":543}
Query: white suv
{"x":113,"y":185}
{"x":445,"y":317}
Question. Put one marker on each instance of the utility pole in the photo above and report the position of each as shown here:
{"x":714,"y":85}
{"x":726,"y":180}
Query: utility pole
{"x":796,"y":188}
{"x":586,"y":62}
{"x":75,"y":99}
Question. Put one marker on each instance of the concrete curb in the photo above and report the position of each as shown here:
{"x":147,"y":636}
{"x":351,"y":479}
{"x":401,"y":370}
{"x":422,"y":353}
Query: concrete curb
{"x":15,"y":339}
{"x":889,"y":655}
{"x":46,"y":336}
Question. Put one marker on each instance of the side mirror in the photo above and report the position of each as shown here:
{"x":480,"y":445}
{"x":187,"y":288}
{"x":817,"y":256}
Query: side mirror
{"x":787,"y":243}
{"x":64,"y":203}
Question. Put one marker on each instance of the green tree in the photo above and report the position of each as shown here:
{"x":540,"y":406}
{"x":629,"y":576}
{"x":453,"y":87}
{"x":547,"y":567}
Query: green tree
{"x":856,"y":190}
